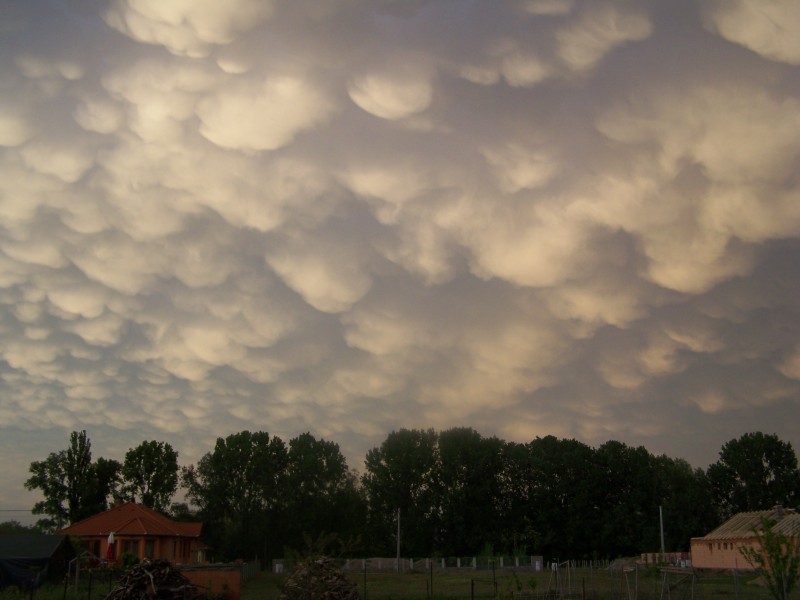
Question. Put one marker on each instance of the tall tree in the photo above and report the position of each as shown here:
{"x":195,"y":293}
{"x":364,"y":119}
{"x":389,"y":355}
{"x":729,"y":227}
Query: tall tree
{"x":79,"y":474}
{"x":684,"y":495}
{"x":517,"y":532}
{"x":468,"y":481}
{"x":107,"y":481}
{"x":321,"y":492}
{"x":238,"y":488}
{"x":754,"y":472}
{"x":565,"y":497}
{"x":399,"y":475}
{"x":630,"y":513}
{"x":150,"y":474}
{"x":47,"y":476}
{"x":72,"y":485}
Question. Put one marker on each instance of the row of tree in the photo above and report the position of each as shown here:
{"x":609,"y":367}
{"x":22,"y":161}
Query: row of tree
{"x":455,"y":492}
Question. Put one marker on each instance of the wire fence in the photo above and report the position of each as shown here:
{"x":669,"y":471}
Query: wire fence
{"x":474,"y":578}
{"x":442,"y":564}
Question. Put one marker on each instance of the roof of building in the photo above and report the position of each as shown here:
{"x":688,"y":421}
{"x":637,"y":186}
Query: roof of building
{"x":26,"y":545}
{"x":29,"y":559}
{"x":741,"y":525}
{"x":132,"y":519}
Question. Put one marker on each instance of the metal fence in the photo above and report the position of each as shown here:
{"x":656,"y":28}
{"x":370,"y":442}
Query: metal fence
{"x":477,"y":578}
{"x":250,"y":569}
{"x":443,"y":564}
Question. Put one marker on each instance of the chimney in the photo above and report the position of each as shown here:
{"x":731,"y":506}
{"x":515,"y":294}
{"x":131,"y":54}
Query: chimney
{"x":779,"y":511}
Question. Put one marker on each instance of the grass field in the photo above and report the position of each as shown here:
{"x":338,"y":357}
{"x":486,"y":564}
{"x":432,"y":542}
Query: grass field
{"x":595,"y":584}
{"x":521,"y":585}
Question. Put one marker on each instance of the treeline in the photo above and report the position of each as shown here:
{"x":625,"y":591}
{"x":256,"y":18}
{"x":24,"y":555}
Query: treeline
{"x":455,"y":493}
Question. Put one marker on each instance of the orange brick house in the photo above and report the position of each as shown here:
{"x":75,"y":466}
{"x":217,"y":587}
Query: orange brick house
{"x":142,"y":532}
{"x":720,"y":548}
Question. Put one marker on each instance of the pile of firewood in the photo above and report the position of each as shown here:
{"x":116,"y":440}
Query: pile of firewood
{"x":153,"y":579}
{"x":318,"y":579}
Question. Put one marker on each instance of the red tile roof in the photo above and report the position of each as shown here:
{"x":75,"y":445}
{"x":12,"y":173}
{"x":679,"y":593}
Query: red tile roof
{"x":132,"y":519}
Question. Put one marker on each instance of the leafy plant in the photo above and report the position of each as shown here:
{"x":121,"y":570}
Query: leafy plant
{"x":127,"y":560}
{"x":777,"y":555}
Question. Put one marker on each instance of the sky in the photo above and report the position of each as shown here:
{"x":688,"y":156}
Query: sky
{"x":530,"y":217}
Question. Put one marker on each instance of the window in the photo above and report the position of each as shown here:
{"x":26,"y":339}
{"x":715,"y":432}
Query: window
{"x":149,"y":548}
{"x":131,"y":547}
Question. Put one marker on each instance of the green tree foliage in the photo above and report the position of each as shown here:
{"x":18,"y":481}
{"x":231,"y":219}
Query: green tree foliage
{"x":629,"y":504}
{"x":321,"y":492}
{"x":468,"y":482}
{"x":47,"y":476}
{"x":14,"y":527}
{"x":684,"y":494}
{"x":239,"y":488}
{"x":754,"y":472}
{"x":460,"y":492}
{"x":107,"y":475}
{"x":517,"y":532}
{"x":457,"y":492}
{"x":150,"y":474}
{"x":181,"y":511}
{"x":72,"y":485}
{"x":564,"y":499}
{"x":400,"y":474}
{"x":777,"y":555}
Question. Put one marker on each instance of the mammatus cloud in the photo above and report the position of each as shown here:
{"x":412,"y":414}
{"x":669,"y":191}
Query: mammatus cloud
{"x":763,"y":27}
{"x":186,"y":28}
{"x":532,"y":217}
{"x":395,"y":92}
{"x":600,"y":28}
{"x":264,"y":116}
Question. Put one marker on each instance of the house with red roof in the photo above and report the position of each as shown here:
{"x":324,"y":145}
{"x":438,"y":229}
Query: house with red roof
{"x":142,"y":532}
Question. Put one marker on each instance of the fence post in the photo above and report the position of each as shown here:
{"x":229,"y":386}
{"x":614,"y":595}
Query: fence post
{"x":431,"y":579}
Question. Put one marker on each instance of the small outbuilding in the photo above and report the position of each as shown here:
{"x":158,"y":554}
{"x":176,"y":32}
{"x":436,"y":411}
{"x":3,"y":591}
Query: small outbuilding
{"x":720,"y":549}
{"x":28,"y":560}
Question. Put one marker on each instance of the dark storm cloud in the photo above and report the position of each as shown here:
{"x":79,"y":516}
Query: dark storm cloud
{"x":531,"y":217}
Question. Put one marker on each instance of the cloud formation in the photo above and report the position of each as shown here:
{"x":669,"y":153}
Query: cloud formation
{"x":533,"y":217}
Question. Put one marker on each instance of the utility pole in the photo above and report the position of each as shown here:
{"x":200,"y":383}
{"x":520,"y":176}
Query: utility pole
{"x":661,"y":520}
{"x":398,"y":540}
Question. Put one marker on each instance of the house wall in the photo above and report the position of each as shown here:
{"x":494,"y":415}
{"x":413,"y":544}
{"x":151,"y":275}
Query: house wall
{"x":720,"y":554}
{"x":177,"y":550}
